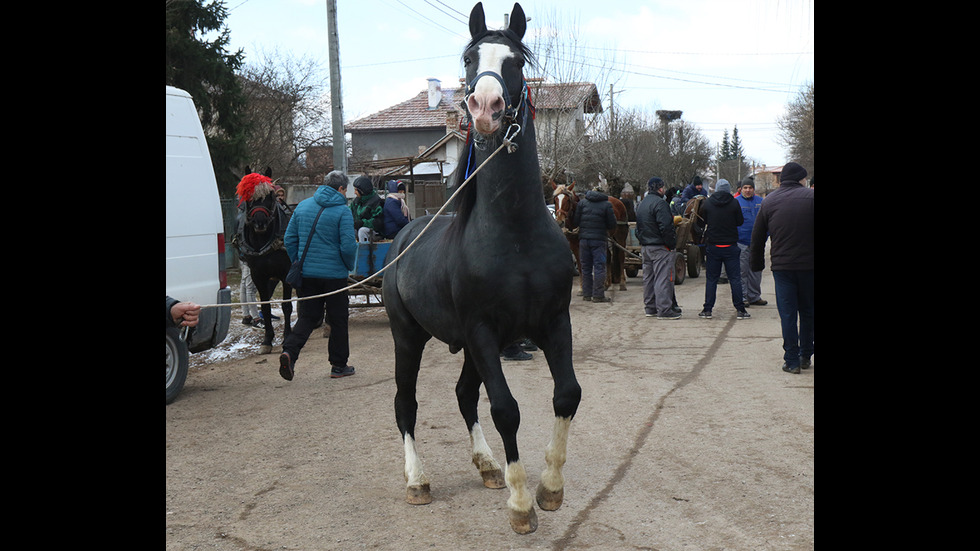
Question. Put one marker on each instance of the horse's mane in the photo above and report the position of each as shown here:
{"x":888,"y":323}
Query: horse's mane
{"x":463,"y":204}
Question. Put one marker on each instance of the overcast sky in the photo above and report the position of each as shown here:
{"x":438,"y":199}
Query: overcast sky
{"x":724,"y":63}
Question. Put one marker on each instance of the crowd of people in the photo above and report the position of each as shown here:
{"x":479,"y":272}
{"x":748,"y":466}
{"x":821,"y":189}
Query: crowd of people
{"x":733,"y":226}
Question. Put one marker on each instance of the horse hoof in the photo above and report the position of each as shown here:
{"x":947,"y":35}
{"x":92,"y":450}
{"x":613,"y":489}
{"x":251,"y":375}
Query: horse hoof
{"x":523,"y":523}
{"x":493,"y":479}
{"x":265,"y":349}
{"x":418,"y":495}
{"x":549,"y":500}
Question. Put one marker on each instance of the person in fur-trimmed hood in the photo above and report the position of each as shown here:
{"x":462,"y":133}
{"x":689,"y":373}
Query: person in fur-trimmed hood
{"x":396,"y":214}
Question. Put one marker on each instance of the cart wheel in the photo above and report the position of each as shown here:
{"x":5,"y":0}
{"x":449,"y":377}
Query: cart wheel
{"x":694,"y":261}
{"x":679,"y":266}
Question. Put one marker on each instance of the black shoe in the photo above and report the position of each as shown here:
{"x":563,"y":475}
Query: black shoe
{"x":587,"y":298}
{"x":805,"y":363}
{"x":742,"y":314}
{"x":247,"y":320}
{"x":519,"y":357}
{"x":528,"y":346}
{"x":791,"y":369}
{"x":759,"y":302}
{"x":705,"y":314}
{"x":670,"y":315}
{"x":601,"y":299}
{"x":337,"y":372}
{"x":286,"y":366}
{"x":722,"y":280}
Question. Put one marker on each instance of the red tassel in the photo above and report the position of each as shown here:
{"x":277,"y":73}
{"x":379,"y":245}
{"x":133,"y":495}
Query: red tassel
{"x":246,"y":188}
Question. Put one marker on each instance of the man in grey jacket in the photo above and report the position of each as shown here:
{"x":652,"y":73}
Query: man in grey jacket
{"x":786,"y":217}
{"x":655,"y":232}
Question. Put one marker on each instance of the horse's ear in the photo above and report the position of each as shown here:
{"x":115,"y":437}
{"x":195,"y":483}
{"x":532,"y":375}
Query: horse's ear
{"x":518,"y":21}
{"x":248,"y":170}
{"x":478,"y":21}
{"x":268,"y":172}
{"x":553,"y":185}
{"x":572,"y":185}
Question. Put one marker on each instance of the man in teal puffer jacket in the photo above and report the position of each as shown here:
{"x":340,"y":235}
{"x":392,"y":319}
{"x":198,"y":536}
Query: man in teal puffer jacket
{"x":328,"y":261}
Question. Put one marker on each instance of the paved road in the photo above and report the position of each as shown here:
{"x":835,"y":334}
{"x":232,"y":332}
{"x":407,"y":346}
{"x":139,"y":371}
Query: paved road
{"x":689,"y":436}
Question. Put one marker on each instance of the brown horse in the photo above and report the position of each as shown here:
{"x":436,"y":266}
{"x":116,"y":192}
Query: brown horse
{"x":565,"y":200}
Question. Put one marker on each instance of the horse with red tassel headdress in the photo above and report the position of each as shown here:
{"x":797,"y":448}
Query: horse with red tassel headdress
{"x":259,"y":238}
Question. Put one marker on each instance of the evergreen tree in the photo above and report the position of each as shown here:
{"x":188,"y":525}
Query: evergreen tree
{"x":735,"y":152}
{"x":725,"y":153}
{"x":207,"y":72}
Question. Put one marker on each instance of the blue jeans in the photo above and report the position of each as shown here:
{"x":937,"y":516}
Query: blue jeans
{"x":794,"y":300}
{"x":592,"y":255}
{"x":715,"y":256}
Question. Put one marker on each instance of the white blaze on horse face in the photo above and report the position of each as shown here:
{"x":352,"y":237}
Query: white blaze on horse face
{"x":559,"y":207}
{"x":488,"y":96}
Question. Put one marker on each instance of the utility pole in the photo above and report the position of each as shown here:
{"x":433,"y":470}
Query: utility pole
{"x":336,"y":102}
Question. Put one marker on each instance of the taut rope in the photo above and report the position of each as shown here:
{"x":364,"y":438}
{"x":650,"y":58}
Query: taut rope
{"x":506,"y":143}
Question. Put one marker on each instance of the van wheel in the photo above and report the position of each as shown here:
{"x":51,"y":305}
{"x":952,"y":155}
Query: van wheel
{"x":177,"y":361}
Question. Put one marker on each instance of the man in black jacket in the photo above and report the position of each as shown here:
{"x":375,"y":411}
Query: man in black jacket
{"x":593,"y":217}
{"x":786,"y":216}
{"x":655,"y":232}
{"x":721,"y":216}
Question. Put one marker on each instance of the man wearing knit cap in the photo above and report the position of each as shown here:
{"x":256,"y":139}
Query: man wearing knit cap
{"x":786,"y":217}
{"x":750,"y":204}
{"x":720,"y":218}
{"x":655,"y":232}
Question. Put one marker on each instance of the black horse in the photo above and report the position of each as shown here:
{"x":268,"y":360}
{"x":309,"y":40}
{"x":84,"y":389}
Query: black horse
{"x":261,"y":226}
{"x":496,"y":272}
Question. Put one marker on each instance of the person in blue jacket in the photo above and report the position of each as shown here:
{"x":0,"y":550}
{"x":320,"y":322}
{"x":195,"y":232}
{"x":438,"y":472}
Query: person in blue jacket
{"x":396,"y":214}
{"x":328,"y":261}
{"x":751,"y":281}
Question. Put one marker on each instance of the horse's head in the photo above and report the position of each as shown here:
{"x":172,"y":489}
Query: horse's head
{"x":258,"y":195}
{"x":494,"y":62}
{"x":565,"y":201}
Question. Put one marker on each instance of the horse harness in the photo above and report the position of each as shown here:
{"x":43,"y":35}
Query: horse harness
{"x":510,"y":113}
{"x":278,"y":230}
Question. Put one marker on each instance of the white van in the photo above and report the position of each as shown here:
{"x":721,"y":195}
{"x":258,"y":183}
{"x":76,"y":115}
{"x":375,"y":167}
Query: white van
{"x":195,"y":237}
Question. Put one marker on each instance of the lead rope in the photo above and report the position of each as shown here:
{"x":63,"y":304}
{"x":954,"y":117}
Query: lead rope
{"x":507,"y":142}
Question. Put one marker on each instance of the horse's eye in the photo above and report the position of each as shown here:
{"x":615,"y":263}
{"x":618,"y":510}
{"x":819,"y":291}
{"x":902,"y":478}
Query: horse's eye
{"x":466,"y":61}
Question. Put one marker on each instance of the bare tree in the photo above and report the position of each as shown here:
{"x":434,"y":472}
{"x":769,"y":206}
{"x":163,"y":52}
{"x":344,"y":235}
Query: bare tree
{"x":796,"y":128}
{"x":640,"y":145}
{"x":288,"y":111}
{"x":561,"y":57}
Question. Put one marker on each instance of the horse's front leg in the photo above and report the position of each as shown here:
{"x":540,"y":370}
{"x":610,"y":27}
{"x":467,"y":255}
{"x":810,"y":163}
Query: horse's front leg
{"x":468,"y":396}
{"x":507,"y":419}
{"x":557,"y":348}
{"x":287,"y":308}
{"x":266,"y":287}
{"x":408,"y":357}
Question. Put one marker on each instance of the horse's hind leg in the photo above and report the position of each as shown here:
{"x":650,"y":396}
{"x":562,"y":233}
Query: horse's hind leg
{"x":468,"y":396}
